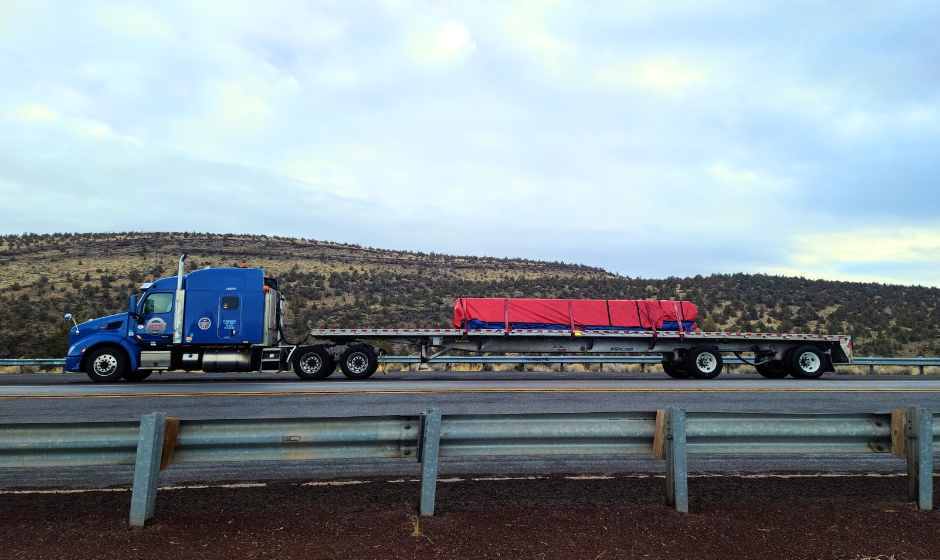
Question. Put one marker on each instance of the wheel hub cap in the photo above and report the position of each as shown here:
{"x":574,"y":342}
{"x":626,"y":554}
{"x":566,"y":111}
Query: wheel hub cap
{"x":105,"y":364}
{"x":357,"y":363}
{"x":311,"y":363}
{"x":706,"y":362}
{"x":809,"y":362}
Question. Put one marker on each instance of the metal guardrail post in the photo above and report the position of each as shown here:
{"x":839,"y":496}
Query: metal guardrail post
{"x":677,"y":468}
{"x":147,"y":468}
{"x":429,"y":447}
{"x":871,"y":369}
{"x":920,"y":457}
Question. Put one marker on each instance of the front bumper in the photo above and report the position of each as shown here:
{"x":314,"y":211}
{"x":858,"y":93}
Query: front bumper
{"x":73,"y":363}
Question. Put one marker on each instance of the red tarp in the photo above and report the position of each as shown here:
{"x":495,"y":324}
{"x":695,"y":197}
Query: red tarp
{"x":581,"y":313}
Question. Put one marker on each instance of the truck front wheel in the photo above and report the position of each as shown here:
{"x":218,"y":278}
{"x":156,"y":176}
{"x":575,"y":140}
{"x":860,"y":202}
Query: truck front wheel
{"x":313,"y":362}
{"x":358,"y":362}
{"x":106,"y":364}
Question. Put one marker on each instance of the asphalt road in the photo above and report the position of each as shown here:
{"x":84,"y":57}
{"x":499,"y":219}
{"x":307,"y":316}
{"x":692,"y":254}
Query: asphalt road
{"x":73,"y":398}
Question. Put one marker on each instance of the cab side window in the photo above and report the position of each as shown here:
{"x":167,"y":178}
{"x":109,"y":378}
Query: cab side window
{"x":157,"y":303}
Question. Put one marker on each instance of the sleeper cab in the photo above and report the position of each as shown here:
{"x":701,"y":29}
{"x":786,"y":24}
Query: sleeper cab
{"x":224,"y":306}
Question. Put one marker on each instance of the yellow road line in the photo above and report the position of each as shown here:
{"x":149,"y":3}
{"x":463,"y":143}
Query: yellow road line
{"x":454,"y":391}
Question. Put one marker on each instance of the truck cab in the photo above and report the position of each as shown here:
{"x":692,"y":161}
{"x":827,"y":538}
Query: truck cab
{"x":215,"y":319}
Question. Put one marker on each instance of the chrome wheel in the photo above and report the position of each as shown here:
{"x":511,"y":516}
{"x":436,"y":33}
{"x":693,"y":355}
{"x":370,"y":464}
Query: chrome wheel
{"x":105,"y":364}
{"x":357,"y":363}
{"x":311,"y":363}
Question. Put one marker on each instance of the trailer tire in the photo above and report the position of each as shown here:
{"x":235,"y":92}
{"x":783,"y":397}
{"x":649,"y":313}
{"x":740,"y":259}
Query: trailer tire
{"x":135,"y":376}
{"x":675,"y":370}
{"x":312,"y":363}
{"x":807,"y":362}
{"x":106,"y":364}
{"x":703,"y":362}
{"x":358,"y":362}
{"x":773,"y":370}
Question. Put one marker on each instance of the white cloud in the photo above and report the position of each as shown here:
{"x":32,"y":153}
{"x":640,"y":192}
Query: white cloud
{"x":661,"y":75}
{"x":747,"y":185}
{"x":133,"y":21}
{"x":239,"y":109}
{"x":901,"y":255}
{"x":438,"y":45}
{"x":33,"y":112}
{"x":869,"y":125}
{"x":666,"y":75}
{"x":874,"y":245}
{"x":528,"y":25}
{"x":79,"y":127}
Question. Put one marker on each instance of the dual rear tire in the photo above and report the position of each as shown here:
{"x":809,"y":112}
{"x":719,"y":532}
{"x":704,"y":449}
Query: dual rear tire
{"x":701,"y":362}
{"x":804,"y":362}
{"x":704,"y":362}
{"x":316,"y":362}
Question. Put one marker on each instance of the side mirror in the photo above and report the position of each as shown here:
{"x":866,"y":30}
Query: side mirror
{"x":132,"y":307}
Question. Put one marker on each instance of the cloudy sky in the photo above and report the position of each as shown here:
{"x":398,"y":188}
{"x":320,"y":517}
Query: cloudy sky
{"x":650,"y":138}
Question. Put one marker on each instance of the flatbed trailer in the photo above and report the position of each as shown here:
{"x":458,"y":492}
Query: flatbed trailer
{"x":685,"y":354}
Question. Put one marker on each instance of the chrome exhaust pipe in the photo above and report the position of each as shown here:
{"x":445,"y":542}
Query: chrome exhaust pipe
{"x":180,"y":303}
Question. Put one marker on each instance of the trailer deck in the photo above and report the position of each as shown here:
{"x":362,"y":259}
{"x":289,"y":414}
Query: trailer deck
{"x":695,"y":353}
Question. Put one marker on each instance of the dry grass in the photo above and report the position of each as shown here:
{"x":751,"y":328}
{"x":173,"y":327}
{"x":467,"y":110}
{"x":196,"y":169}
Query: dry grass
{"x":415,"y":524}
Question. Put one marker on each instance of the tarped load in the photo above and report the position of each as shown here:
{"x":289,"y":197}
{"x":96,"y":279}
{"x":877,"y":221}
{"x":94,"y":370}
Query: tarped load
{"x":575,"y":314}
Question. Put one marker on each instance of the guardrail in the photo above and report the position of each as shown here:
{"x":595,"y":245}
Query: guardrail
{"x":870,"y":361}
{"x":156,"y":442}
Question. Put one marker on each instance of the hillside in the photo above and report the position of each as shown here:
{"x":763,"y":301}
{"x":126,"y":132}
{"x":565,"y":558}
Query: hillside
{"x":339,"y":285}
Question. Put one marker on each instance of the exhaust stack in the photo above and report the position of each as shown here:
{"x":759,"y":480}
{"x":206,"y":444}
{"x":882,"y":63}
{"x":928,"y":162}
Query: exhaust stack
{"x":180,"y":303}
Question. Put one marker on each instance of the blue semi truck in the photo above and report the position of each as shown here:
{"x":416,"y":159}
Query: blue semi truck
{"x":231,"y":320}
{"x":212,"y":320}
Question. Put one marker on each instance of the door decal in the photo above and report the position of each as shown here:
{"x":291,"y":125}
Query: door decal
{"x":156,"y":326}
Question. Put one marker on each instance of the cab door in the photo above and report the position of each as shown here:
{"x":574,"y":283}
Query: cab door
{"x":157,"y":316}
{"x":230,"y":317}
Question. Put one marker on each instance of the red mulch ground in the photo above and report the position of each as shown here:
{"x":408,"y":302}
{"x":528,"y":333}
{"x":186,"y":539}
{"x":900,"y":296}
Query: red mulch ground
{"x":544,"y":518}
